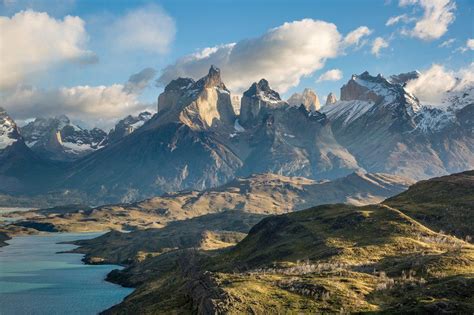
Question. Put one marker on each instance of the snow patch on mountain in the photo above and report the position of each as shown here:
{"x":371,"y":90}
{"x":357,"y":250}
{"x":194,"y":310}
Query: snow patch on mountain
{"x":8,"y":130}
{"x":348,"y":110}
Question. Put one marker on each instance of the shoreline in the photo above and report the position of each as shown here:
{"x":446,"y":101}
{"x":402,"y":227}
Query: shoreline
{"x":83,"y":260}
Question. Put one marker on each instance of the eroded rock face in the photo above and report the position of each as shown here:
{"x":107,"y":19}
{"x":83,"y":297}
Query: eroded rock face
{"x":308,"y":99}
{"x":331,"y":99}
{"x":128,"y":125}
{"x":355,"y":89}
{"x":199,"y":104}
{"x":257,"y":100}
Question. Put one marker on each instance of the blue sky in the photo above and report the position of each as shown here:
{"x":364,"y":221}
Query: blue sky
{"x":200,"y":24}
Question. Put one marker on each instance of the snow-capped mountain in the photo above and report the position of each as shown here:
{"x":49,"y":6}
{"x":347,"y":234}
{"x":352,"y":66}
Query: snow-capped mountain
{"x":8,"y":130}
{"x":59,"y":139}
{"x":181,"y":147}
{"x":21,"y":170}
{"x":196,"y":141}
{"x":285,"y":139}
{"x":128,"y":125}
{"x":386,"y":128}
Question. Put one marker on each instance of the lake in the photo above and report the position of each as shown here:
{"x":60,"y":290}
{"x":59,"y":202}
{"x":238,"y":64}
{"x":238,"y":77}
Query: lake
{"x":36,"y":280}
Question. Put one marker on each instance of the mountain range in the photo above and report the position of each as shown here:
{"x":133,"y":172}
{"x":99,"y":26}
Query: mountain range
{"x":196,"y":140}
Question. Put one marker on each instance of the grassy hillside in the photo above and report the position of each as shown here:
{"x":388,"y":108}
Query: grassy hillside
{"x":326,"y":259}
{"x":444,"y":203}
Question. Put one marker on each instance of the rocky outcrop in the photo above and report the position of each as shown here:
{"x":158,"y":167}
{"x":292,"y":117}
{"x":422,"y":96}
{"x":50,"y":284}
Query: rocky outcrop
{"x":331,"y":99}
{"x":9,"y":133}
{"x":199,"y":104}
{"x":308,"y":99}
{"x":58,"y":139}
{"x":257,"y":101}
{"x":431,"y":141}
{"x":128,"y":125}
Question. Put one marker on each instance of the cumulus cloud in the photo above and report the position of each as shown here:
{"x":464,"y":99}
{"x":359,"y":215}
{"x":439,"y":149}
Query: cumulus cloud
{"x":355,"y":37}
{"x":31,"y":41}
{"x":377,"y":45}
{"x":437,"y":16}
{"x":148,"y":28}
{"x":98,"y":105}
{"x":433,"y":84}
{"x":283,"y":55}
{"x":330,"y":75}
{"x":139,"y":81}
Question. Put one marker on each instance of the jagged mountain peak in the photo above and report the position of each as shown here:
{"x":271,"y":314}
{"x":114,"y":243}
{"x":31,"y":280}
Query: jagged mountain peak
{"x":58,"y":138}
{"x":308,"y":98}
{"x":377,"y":90}
{"x":262,"y":90}
{"x":8,"y":130}
{"x":331,"y":99}
{"x":212,"y":79}
{"x":128,"y":125}
{"x":199,"y":104}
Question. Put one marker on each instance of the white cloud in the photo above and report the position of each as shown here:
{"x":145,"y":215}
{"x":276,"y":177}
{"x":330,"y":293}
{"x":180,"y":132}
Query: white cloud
{"x":431,"y":86}
{"x":148,"y":28}
{"x":330,"y":75}
{"x":399,"y":18}
{"x":468,"y":46}
{"x":447,"y":43}
{"x":283,"y":55}
{"x":470,"y":43}
{"x":97,"y":105}
{"x":377,"y":45}
{"x":437,"y":16}
{"x":31,"y":41}
{"x":354,"y":37}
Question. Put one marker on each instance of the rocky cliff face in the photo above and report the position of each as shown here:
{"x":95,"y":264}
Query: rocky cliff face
{"x":386,"y":128}
{"x":288,"y":140}
{"x":196,"y":141}
{"x":258,"y":100}
{"x":307,"y":98}
{"x":128,"y":125}
{"x":21,"y":170}
{"x":331,"y":99}
{"x":200,"y":105}
{"x":58,"y":139}
{"x":9,"y":133}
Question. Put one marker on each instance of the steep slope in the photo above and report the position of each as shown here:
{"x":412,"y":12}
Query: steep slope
{"x":128,"y":125}
{"x":444,"y":203}
{"x":179,"y":148}
{"x":58,"y":139}
{"x":387,"y":130}
{"x":20,"y":168}
{"x":288,"y":140}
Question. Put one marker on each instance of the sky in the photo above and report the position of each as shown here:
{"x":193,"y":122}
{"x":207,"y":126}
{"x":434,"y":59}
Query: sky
{"x":98,"y":61}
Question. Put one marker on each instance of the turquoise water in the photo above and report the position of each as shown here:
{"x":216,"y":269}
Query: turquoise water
{"x":36,"y":280}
